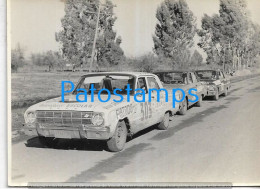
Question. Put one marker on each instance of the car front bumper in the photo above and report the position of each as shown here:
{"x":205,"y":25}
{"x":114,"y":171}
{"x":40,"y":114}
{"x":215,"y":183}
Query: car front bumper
{"x":98,"y":133}
{"x":211,"y":93}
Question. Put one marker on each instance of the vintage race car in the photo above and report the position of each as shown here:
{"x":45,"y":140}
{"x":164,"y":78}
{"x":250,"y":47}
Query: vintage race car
{"x":110,"y":121}
{"x":185,"y":80}
{"x":216,"y":81}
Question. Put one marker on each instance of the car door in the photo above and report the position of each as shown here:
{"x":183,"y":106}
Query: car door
{"x":197,"y":85}
{"x":222,"y":82}
{"x":143,"y":108}
{"x":226,"y":81}
{"x":157,"y":108}
{"x":201,"y":85}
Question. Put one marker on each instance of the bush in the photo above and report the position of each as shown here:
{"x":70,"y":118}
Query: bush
{"x":17,"y":58}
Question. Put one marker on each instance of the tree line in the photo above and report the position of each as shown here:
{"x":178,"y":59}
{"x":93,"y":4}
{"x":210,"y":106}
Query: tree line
{"x":230,"y":39}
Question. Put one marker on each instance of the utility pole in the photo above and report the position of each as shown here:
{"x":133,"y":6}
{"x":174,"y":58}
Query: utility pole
{"x":226,"y":46}
{"x":224,"y":59}
{"x":94,"y":42}
{"x":95,"y":36}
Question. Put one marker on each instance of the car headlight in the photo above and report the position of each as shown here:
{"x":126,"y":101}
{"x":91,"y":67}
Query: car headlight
{"x":30,"y":117}
{"x":97,"y":119}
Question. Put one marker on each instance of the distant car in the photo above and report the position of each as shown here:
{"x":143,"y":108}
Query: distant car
{"x":108,"y":121}
{"x":216,"y":81}
{"x":184,"y":80}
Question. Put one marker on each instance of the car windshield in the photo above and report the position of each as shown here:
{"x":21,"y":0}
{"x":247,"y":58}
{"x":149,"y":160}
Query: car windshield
{"x":174,"y":78}
{"x":106,"y":81}
{"x":205,"y":75}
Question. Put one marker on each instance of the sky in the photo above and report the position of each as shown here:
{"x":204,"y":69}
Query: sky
{"x":34,"y":22}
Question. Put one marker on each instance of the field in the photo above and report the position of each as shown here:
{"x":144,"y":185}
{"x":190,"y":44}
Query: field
{"x":29,"y":88}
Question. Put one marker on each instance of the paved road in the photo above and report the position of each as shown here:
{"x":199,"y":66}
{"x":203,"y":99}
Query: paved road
{"x":217,"y":142}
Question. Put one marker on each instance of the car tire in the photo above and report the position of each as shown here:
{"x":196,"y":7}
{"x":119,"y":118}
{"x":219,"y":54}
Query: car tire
{"x":216,"y":97}
{"x":184,"y":107}
{"x":117,"y":142}
{"x":199,"y":103}
{"x":48,"y":141}
{"x":164,"y":124}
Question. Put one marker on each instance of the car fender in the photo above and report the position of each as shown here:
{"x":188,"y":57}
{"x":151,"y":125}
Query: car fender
{"x":113,"y":120}
{"x":122,"y":113}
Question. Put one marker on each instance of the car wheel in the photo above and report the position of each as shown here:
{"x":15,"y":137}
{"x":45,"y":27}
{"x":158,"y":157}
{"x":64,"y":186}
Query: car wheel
{"x":48,"y":141}
{"x":117,"y":142}
{"x":199,"y":103}
{"x":226,"y":92}
{"x":164,"y":124}
{"x":216,"y":97}
{"x":184,"y":107}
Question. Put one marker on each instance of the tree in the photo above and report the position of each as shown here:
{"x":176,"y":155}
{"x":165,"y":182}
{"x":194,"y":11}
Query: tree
{"x":223,"y":35}
{"x":49,"y":59}
{"x":17,"y":58}
{"x":174,"y":31}
{"x":146,"y":63}
{"x":209,"y":36}
{"x":196,"y":58}
{"x":252,"y":44}
{"x":79,"y":24}
{"x":114,"y":55}
{"x":108,"y":45}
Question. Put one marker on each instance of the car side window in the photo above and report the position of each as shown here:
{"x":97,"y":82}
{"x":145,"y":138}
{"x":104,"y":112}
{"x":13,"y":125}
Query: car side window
{"x":152,"y":83}
{"x":190,"y":78}
{"x":160,"y":77}
{"x":141,"y":84}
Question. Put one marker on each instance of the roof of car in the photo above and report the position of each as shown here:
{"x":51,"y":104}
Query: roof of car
{"x":169,"y":71}
{"x":120,"y":73}
{"x":208,"y":70}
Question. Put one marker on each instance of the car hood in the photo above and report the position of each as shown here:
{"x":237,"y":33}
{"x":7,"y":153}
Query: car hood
{"x":70,"y":103}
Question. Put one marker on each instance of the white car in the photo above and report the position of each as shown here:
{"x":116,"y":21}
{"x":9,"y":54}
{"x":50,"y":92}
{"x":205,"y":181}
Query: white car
{"x":110,"y":121}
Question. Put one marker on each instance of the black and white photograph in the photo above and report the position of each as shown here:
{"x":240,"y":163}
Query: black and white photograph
{"x":133,"y":93}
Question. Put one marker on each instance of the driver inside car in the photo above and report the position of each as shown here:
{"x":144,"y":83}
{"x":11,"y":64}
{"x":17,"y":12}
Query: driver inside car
{"x":107,"y":83}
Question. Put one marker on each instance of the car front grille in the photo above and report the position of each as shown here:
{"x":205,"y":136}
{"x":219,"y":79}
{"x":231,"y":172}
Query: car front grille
{"x":63,"y":118}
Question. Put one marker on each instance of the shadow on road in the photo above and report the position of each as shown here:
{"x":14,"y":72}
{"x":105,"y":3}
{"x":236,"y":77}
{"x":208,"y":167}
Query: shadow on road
{"x":230,"y":99}
{"x":83,"y":144}
{"x":234,"y":90}
{"x":187,"y":123}
{"x":198,"y":117}
{"x":110,"y":165}
{"x":143,"y":132}
{"x":70,"y":144}
{"x":209,"y":99}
